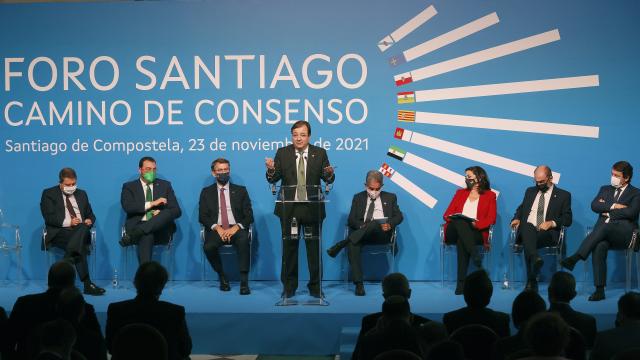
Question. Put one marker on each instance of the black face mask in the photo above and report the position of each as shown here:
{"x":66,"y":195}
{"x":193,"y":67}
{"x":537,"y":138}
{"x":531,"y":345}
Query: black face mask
{"x":223,"y":178}
{"x":470,"y":183}
{"x":542,"y":187}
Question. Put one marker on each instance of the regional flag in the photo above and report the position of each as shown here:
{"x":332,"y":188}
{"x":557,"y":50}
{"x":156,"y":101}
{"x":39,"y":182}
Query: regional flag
{"x":386,"y":170}
{"x":407,"y":116}
{"x":403,"y":79}
{"x":396,"y":152}
{"x":406,"y":97}
{"x":396,"y":60}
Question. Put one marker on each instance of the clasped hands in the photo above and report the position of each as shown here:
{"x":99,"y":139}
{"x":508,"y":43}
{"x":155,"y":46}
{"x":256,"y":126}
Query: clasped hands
{"x":542,"y":227}
{"x":226,"y":234}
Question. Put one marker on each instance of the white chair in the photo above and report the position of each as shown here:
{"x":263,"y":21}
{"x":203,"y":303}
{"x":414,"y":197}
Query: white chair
{"x":7,"y":248}
{"x":128,"y":254}
{"x":517,"y":249}
{"x":445,"y":249}
{"x":226,"y":249}
{"x":629,"y":251}
{"x":52,"y":254}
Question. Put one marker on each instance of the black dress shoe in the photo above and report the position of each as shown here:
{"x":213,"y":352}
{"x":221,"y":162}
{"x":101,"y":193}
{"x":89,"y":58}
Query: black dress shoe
{"x":532,"y":285}
{"x":224,"y":284}
{"x":569,"y":263}
{"x":93,"y":289}
{"x":598,"y":295}
{"x":360,"y":289}
{"x":131,"y":237}
{"x":244,"y":288}
{"x":335,"y":249}
{"x":537,"y":265}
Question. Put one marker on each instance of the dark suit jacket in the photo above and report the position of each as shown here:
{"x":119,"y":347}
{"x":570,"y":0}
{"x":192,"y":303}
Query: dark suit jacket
{"x":397,"y":335}
{"x":370,"y":321}
{"x":29,"y":311}
{"x":584,"y":323}
{"x":240,"y":206}
{"x":507,"y":346}
{"x":390,"y":209}
{"x":604,"y":200}
{"x":167,"y":318}
{"x":496,"y":320}
{"x":486,"y":210}
{"x":132,"y":199}
{"x":52,"y":206}
{"x":559,"y":209}
{"x":285,"y":170}
{"x":610,"y":342}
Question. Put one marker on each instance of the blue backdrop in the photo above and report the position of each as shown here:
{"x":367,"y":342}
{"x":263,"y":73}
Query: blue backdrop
{"x":125,"y":55}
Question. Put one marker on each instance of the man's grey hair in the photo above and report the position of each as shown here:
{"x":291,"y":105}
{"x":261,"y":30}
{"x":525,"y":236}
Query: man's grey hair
{"x":374,"y":175}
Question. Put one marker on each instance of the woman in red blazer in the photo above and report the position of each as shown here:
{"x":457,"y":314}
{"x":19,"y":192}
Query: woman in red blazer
{"x":477,"y":202}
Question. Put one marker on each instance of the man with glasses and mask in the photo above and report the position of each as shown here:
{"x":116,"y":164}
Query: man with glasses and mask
{"x":68,"y":218}
{"x":373,"y":216}
{"x":544,"y":210}
{"x":617,"y":206}
{"x":151,"y":208}
{"x":226,"y":214}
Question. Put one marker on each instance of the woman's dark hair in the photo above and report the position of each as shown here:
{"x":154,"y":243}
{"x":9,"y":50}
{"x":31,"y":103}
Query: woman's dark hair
{"x":481,"y":177}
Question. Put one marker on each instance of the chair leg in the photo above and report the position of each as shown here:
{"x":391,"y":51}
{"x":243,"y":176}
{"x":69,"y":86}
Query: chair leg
{"x":442,"y":266}
{"x":628,"y":255}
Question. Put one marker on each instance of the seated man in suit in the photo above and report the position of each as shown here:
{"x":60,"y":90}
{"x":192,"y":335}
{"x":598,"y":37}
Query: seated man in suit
{"x":477,"y":294}
{"x":543,"y":212}
{"x":151,"y":208}
{"x":373,"y":216}
{"x":617,"y":206}
{"x":226,"y":219}
{"x":394,"y":284}
{"x":30,"y":311}
{"x":146,"y":308}
{"x":626,"y":334}
{"x":68,"y":217}
{"x":562,"y":289}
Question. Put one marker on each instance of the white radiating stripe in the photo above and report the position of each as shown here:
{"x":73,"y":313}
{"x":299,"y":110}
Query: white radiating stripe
{"x":413,"y":189}
{"x":485,"y":55}
{"x":507,"y":124}
{"x":472,"y":154}
{"x":437,"y":170}
{"x":451,"y":36}
{"x":407,"y":28}
{"x":508,"y":88}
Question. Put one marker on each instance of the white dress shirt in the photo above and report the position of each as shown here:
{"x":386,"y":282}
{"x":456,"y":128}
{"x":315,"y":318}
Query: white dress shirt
{"x":377,"y":208}
{"x":470,"y":208}
{"x":67,"y":216}
{"x":533,"y":212}
{"x":227,"y":197}
{"x":305,"y":155}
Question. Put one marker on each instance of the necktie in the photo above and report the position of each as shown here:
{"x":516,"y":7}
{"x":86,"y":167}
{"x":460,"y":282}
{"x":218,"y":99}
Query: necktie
{"x":301,"y":189}
{"x":369,"y":215}
{"x":69,"y":206}
{"x":616,"y":196}
{"x":149,"y":198}
{"x":540,"y":213}
{"x":224,"y":217}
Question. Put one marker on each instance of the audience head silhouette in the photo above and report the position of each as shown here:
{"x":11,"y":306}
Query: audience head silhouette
{"x":62,"y":275}
{"x":547,"y":334}
{"x":56,"y":337}
{"x":628,"y":308}
{"x":562,"y":287}
{"x":526,"y":305}
{"x":139,"y":341}
{"x":71,"y":305}
{"x":397,"y":354}
{"x":446,"y":350}
{"x":477,"y":289}
{"x":396,"y":284}
{"x":396,"y":307}
{"x":150,"y":279}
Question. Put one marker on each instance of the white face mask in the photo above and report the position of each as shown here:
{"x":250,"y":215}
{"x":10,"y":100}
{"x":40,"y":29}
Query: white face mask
{"x":69,"y":190}
{"x":373,"y":194}
{"x":615,"y":182}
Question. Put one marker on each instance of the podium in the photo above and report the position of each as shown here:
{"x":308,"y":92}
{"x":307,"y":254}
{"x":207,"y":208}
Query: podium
{"x":301,"y":211}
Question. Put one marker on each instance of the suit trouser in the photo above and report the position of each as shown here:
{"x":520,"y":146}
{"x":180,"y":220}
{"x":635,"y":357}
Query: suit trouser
{"x":157,"y":230}
{"x":73,"y":241}
{"x":371,"y":233}
{"x":290,"y":245}
{"x":466,"y":238}
{"x":616,"y":235}
{"x":212,"y":244}
{"x":532,"y":240}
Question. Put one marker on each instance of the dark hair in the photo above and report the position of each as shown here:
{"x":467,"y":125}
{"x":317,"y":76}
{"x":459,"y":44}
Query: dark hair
{"x":146,"y":158}
{"x":446,"y":350}
{"x":477,"y":289}
{"x":150,"y":279}
{"x":396,"y":306}
{"x":70,"y":305}
{"x":625,"y":168}
{"x":57,"y":334}
{"x":299,"y":124}
{"x":67,"y":173}
{"x":481,"y":177}
{"x":219,"y":161}
{"x":61,"y":275}
{"x":395,"y":284}
{"x":562,"y":287}
{"x":139,"y":341}
{"x":629,"y":305}
{"x":547,"y":334}
{"x":525,"y":305}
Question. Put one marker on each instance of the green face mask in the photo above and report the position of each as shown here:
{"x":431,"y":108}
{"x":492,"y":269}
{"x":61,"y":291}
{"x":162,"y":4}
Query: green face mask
{"x":149,"y":176}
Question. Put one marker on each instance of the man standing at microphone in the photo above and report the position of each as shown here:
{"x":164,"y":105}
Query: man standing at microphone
{"x":300,"y":166}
